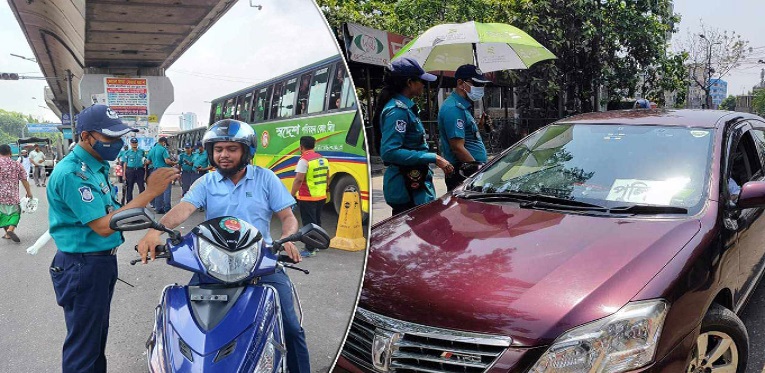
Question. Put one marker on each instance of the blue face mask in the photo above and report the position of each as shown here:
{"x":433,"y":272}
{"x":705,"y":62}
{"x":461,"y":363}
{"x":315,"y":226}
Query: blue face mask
{"x":108,"y":150}
{"x":475,"y":93}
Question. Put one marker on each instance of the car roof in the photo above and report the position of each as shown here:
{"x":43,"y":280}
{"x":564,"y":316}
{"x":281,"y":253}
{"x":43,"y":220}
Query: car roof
{"x":663,"y":117}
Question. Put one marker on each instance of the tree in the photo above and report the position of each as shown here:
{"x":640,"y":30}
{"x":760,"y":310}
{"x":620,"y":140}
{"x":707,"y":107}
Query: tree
{"x":729,"y":103}
{"x":712,"y":54}
{"x":598,"y":43}
{"x":758,"y":102}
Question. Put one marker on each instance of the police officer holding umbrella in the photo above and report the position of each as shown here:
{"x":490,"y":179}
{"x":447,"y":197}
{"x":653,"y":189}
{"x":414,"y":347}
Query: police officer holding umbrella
{"x":408,"y":180}
{"x":84,"y":269}
{"x":460,"y":138}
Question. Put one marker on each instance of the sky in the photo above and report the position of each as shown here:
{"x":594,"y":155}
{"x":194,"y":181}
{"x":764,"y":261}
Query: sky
{"x":742,"y":16}
{"x":244,"y":47}
{"x":249,"y":45}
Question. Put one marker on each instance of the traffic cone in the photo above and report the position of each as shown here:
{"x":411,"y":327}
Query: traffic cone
{"x":349,"y":235}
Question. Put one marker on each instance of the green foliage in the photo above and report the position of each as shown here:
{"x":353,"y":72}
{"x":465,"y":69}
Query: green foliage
{"x":614,"y":43}
{"x":729,"y":103}
{"x":758,"y":102}
{"x":12,"y":124}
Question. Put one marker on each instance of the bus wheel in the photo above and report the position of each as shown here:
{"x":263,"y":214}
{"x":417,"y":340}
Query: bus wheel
{"x":345,"y":182}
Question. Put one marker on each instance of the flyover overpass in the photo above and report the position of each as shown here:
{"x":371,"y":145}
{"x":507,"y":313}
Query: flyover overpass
{"x":135,"y":38}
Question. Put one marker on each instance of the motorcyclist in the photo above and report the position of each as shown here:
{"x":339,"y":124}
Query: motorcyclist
{"x":250,"y":193}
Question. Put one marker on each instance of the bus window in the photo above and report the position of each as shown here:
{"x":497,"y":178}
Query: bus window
{"x":215,"y":112}
{"x":274,"y":111}
{"x":228,"y":111}
{"x":260,"y":107}
{"x":338,"y":82}
{"x":318,"y":91}
{"x":238,"y":113}
{"x":287,"y":106}
{"x":303,"y":91}
{"x":354,"y":131}
{"x":348,"y":95}
{"x":244,"y":115}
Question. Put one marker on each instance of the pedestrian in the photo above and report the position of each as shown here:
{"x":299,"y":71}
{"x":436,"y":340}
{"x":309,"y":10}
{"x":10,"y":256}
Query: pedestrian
{"x":461,"y":142}
{"x":160,"y":158}
{"x":26,"y":162}
{"x":84,"y":268}
{"x":37,"y":157}
{"x":11,"y":173}
{"x":408,"y":180}
{"x":188,"y":174}
{"x":134,"y":160}
{"x":310,"y":186}
{"x":258,"y":194}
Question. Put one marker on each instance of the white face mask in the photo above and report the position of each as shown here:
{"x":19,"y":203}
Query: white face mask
{"x":475,"y":93}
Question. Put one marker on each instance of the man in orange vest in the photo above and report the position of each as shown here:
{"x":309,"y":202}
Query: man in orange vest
{"x":310,"y":185}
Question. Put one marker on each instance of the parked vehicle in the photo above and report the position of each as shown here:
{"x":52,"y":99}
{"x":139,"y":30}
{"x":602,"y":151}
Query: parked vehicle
{"x":226,"y":322}
{"x":606,"y":242}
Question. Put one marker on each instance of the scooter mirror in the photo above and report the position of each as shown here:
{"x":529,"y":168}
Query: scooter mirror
{"x":313,"y":235}
{"x":134,"y":219}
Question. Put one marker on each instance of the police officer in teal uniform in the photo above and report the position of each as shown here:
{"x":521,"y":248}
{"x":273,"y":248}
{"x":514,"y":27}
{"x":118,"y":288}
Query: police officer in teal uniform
{"x":408,"y":180}
{"x":84,"y":268}
{"x":201,"y":163}
{"x":135,"y":172}
{"x":159,"y":158}
{"x":460,"y":138}
{"x":188,"y":174}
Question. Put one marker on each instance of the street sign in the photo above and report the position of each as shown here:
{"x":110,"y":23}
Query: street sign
{"x":65,"y":119}
{"x":42,"y":128}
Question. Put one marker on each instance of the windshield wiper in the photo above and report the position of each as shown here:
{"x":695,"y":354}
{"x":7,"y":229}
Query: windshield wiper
{"x":647,"y":210}
{"x":528,"y":200}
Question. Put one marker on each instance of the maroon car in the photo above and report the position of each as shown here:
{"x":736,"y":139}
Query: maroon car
{"x":607,"y":242}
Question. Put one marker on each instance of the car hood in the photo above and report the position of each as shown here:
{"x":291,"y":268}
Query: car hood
{"x":500,"y":269}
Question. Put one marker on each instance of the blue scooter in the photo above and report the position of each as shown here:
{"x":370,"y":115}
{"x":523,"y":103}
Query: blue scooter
{"x":228,"y":323}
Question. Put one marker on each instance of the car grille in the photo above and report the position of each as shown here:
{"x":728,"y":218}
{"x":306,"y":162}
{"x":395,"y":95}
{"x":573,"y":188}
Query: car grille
{"x":419,"y":348}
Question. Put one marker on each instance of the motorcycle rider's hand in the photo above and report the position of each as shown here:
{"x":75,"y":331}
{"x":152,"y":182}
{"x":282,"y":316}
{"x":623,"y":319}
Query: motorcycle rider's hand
{"x":160,"y":179}
{"x":291,"y":250}
{"x":148,"y":244}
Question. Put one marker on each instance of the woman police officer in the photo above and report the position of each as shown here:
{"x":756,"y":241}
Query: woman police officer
{"x":408,"y":180}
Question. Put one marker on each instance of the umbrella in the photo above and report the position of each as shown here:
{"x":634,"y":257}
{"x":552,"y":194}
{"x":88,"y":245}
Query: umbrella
{"x":489,"y":46}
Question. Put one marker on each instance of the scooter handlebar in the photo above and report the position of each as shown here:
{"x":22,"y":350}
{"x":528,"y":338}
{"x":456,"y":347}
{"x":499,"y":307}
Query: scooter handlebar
{"x":160,"y":252}
{"x":285,"y":259}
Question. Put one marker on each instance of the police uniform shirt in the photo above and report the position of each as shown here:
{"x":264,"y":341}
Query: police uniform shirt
{"x":200,"y":160}
{"x":253,"y":199}
{"x":456,"y":122}
{"x":78,"y":193}
{"x":134,"y":158}
{"x":157,"y":156}
{"x":186,"y":157}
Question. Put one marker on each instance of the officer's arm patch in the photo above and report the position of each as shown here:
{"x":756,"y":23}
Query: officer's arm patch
{"x":86,"y":194}
{"x":401,"y":126}
{"x":460,"y":124}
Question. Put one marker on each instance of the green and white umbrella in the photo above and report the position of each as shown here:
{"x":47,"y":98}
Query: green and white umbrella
{"x":489,"y":46}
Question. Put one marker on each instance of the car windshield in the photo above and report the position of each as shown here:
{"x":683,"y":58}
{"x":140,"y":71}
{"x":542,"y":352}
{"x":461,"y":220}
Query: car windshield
{"x":606,"y":165}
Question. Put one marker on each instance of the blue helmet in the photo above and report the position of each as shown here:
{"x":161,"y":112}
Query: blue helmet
{"x":642,"y":104}
{"x":233,"y":131}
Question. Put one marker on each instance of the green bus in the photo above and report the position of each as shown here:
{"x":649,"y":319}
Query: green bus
{"x":316,"y":100}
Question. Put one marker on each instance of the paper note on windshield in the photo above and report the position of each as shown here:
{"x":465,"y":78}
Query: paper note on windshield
{"x":651,"y":192}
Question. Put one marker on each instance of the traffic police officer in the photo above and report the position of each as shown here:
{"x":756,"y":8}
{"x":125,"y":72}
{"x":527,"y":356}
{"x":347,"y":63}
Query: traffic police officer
{"x":310,"y":185}
{"x":201,"y":163}
{"x":408,"y":180}
{"x":188,"y":174}
{"x":84,"y":269}
{"x":159,"y":158}
{"x":461,"y":142}
{"x":135,"y":173}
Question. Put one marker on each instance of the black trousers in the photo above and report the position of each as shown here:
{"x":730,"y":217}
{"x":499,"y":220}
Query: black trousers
{"x":134,"y":176}
{"x":310,"y":212}
{"x":453,"y":180}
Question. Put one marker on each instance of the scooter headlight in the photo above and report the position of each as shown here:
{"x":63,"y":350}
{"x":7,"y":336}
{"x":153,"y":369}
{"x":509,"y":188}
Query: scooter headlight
{"x":228,"y":266}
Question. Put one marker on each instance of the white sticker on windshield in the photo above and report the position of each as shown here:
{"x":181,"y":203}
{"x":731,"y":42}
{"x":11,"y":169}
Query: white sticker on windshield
{"x":651,"y":192}
{"x":697,"y":133}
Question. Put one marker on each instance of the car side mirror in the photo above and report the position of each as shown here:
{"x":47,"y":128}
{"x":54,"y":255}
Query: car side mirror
{"x":134,"y":219}
{"x":752,"y":195}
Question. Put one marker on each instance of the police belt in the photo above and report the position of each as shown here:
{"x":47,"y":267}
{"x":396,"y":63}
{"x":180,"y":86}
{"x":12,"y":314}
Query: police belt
{"x":134,"y":168}
{"x":95,"y":253}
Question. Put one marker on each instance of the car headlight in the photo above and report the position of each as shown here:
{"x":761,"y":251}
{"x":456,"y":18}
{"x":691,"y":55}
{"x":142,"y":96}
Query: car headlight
{"x":228,"y":266}
{"x":266,"y":362}
{"x":621,"y":342}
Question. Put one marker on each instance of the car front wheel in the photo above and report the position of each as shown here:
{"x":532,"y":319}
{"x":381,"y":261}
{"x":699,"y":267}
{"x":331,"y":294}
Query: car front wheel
{"x":722,"y":345}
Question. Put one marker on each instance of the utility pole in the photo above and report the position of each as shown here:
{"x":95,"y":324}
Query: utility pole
{"x":71,"y":107}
